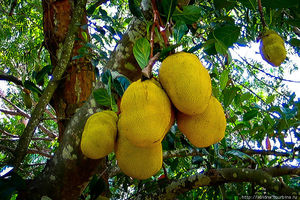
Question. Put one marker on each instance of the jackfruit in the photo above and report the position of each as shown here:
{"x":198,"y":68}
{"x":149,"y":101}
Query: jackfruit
{"x":186,"y":81}
{"x":272,"y":48}
{"x":138,"y":162}
{"x":145,"y":113}
{"x":206,"y":128}
{"x":99,"y":134}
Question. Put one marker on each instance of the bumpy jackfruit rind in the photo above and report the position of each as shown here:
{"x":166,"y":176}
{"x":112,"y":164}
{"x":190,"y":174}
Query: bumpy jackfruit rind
{"x":98,"y":137}
{"x":186,"y":81}
{"x":204,"y":129}
{"x":138,"y":162}
{"x":272,"y":48}
{"x":145,"y":113}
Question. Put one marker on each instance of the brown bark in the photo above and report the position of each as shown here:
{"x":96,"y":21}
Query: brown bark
{"x":77,"y":83}
{"x":69,"y":171}
{"x":170,"y":189}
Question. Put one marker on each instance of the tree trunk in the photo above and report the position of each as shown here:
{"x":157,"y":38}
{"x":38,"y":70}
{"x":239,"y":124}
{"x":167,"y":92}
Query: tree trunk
{"x":77,"y":83}
{"x":66,"y":175}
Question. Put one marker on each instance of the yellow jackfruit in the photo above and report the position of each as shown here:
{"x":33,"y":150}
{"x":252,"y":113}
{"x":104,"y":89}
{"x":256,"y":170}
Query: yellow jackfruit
{"x":99,"y":134}
{"x":272,"y":48}
{"x":206,"y":128}
{"x":145,"y":113}
{"x":138,"y":162}
{"x":186,"y":82}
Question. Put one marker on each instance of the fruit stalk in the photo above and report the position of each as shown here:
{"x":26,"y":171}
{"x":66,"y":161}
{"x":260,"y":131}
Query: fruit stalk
{"x":147,"y":71}
{"x":261,"y":14}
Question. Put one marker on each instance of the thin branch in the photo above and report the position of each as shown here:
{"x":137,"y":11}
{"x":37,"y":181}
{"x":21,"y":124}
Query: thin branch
{"x":10,"y":78}
{"x":10,"y":112}
{"x":265,"y":152}
{"x":261,"y":14}
{"x":195,"y":152}
{"x":147,"y":71}
{"x":20,"y":112}
{"x":29,"y":151}
{"x":16,"y":137}
{"x":59,"y":70}
{"x":181,"y":153}
{"x":13,"y":105}
{"x":276,"y":77}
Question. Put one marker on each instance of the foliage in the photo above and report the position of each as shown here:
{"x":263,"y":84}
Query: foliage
{"x":262,"y":114}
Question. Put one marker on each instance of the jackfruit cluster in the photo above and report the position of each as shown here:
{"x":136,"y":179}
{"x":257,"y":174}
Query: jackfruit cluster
{"x":272,"y":48}
{"x":146,"y":117}
{"x":200,"y":116}
{"x":147,"y":114}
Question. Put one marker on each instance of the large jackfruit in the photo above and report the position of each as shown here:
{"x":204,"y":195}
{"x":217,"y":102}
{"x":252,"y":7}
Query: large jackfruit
{"x":138,"y":162}
{"x":206,"y":128}
{"x":99,"y":134}
{"x":145,"y":113}
{"x":272,"y":48}
{"x":186,"y":81}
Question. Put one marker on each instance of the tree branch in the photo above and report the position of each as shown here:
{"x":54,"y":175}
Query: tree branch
{"x":29,"y":151}
{"x":59,"y":70}
{"x":24,"y":114}
{"x":268,"y":74}
{"x":261,"y":14}
{"x":263,"y":177}
{"x":16,"y":137}
{"x":264,"y":152}
{"x":195,"y":152}
{"x":122,"y":58}
{"x":10,"y":78}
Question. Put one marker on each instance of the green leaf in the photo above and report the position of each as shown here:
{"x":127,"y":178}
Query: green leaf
{"x":227,"y":34}
{"x":229,"y":94}
{"x":32,"y":87}
{"x":102,"y":97}
{"x":246,"y":96}
{"x":190,"y":14}
{"x":91,"y":9}
{"x":219,"y":4}
{"x":167,"y":7}
{"x":195,"y":48}
{"x":141,"y":52}
{"x":113,"y":104}
{"x":84,"y":35}
{"x":105,"y":76}
{"x":295,"y":42}
{"x":39,"y":78}
{"x":179,"y":30}
{"x":272,"y":162}
{"x":220,"y":47}
{"x":135,"y":8}
{"x":252,"y":4}
{"x":250,"y":115}
{"x":209,"y":47}
{"x":279,"y":3}
{"x":98,"y":38}
{"x":120,"y":84}
{"x":77,"y":57}
{"x":224,"y":79}
{"x":239,"y":126}
{"x":165,"y":51}
{"x":270,"y":99}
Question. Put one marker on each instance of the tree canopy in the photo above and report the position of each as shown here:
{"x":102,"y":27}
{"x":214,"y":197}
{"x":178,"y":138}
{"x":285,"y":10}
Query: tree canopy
{"x":61,"y":61}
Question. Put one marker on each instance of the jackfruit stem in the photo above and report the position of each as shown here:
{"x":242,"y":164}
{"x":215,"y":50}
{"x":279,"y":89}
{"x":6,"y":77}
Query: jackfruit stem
{"x":147,"y":71}
{"x":261,"y":14}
